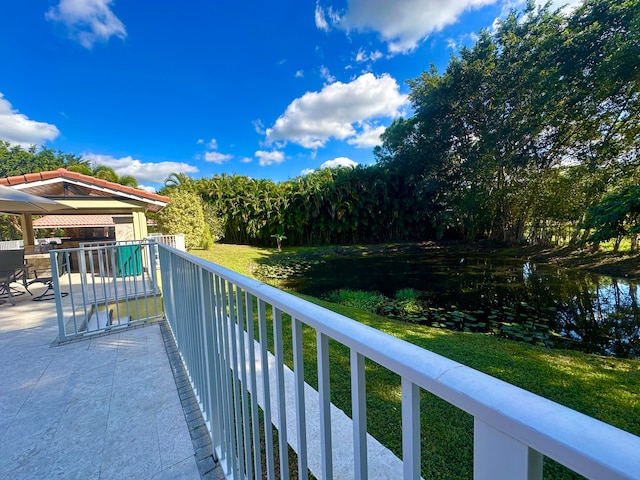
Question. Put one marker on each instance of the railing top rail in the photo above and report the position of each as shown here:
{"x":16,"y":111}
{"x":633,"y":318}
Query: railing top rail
{"x":582,"y":443}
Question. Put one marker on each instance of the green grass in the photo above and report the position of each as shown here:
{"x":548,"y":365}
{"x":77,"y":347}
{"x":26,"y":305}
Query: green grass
{"x":239,"y":258}
{"x":602,"y":387}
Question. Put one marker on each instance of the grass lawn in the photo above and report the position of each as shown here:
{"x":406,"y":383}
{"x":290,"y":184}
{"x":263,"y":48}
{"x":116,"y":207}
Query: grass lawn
{"x":602,"y":387}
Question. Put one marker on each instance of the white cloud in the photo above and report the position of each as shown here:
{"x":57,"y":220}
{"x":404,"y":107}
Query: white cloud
{"x":246,"y":160}
{"x":143,"y":172}
{"x":17,"y":129}
{"x":269,"y":158}
{"x":300,"y":74}
{"x":314,"y":118}
{"x":466,"y":39}
{"x":363,"y":56}
{"x":147,"y":188}
{"x":339,"y":162}
{"x":307,"y":171}
{"x":213,"y":144}
{"x":258,"y":126}
{"x":402,"y":24}
{"x":88,"y":21}
{"x":325,"y":74}
{"x":565,"y":5}
{"x":216,"y":157}
{"x":200,"y":141}
{"x":321,"y":21}
{"x":369,"y":137}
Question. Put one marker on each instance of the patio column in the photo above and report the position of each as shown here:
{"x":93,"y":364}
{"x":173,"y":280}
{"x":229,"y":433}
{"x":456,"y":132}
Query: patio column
{"x":26,"y":221}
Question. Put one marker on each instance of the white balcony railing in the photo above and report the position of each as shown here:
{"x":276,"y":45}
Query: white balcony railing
{"x":103,"y":286}
{"x":211,"y":312}
{"x":175,"y":241}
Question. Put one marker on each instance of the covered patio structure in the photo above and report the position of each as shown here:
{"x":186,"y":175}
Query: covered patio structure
{"x":82,"y":196}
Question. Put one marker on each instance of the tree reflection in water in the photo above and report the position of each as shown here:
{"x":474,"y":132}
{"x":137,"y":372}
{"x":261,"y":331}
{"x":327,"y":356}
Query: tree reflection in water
{"x":578,"y":310}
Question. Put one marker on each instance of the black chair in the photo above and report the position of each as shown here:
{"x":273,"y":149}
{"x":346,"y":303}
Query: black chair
{"x":12,"y":270}
{"x":46,"y":277}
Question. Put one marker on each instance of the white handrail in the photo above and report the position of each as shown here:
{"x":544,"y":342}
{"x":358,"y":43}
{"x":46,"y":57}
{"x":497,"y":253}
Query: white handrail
{"x":513,"y":428}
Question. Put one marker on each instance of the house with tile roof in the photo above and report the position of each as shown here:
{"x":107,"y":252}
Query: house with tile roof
{"x":94,"y":206}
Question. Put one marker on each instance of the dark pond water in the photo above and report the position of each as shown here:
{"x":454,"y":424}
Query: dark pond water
{"x":565,"y":307}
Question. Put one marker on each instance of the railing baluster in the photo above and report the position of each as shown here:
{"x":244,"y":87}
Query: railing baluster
{"x":282,"y":402}
{"x":255,"y":417}
{"x":237,"y":412}
{"x":325,"y":405}
{"x":264,"y":365}
{"x":497,"y":456}
{"x":232,"y":458}
{"x":244,"y":388}
{"x":359,"y":415}
{"x":219,"y":424}
{"x":206,"y":314}
{"x":410,"y":430}
{"x":301,"y":420}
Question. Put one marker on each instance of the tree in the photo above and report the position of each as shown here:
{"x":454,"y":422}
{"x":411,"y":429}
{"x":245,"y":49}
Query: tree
{"x":183,"y":215}
{"x":15,"y":160}
{"x":616,"y":217}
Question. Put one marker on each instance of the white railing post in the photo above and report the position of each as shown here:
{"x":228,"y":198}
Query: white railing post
{"x":359,"y":414}
{"x":264,"y":365}
{"x":497,"y":456}
{"x":301,"y":420}
{"x":325,"y":405}
{"x":410,"y":430}
{"x":282,"y":402}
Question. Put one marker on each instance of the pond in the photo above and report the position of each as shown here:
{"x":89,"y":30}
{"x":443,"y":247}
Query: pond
{"x":539,"y":303}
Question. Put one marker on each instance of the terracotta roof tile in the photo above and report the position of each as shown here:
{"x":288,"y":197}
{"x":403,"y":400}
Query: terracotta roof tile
{"x":63,"y":173}
{"x":62,"y":221}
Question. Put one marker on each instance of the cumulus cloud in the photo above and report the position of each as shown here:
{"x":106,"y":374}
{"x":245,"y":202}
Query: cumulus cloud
{"x":343,"y":162}
{"x":144,"y":172}
{"x":216,"y":157}
{"x":17,"y":129}
{"x":212,"y":156}
{"x":369,"y":137}
{"x":88,"y":21}
{"x":307,"y":171}
{"x":314,"y":118}
{"x":402,"y":24}
{"x":269,"y":158}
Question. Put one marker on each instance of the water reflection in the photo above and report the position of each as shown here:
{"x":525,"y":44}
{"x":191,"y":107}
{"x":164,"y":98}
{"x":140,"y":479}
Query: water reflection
{"x":575,"y":309}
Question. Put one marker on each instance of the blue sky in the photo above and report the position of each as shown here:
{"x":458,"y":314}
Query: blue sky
{"x":264,"y":89}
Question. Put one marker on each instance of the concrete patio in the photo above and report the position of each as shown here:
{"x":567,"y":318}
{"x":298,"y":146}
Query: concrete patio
{"x":110,"y":407}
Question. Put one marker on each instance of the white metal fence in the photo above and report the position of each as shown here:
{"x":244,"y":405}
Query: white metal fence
{"x":11,"y":244}
{"x":175,"y":241}
{"x":102,"y":287}
{"x":211,"y":311}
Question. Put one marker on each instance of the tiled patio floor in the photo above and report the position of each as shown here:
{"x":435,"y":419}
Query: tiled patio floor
{"x":104,"y":408}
